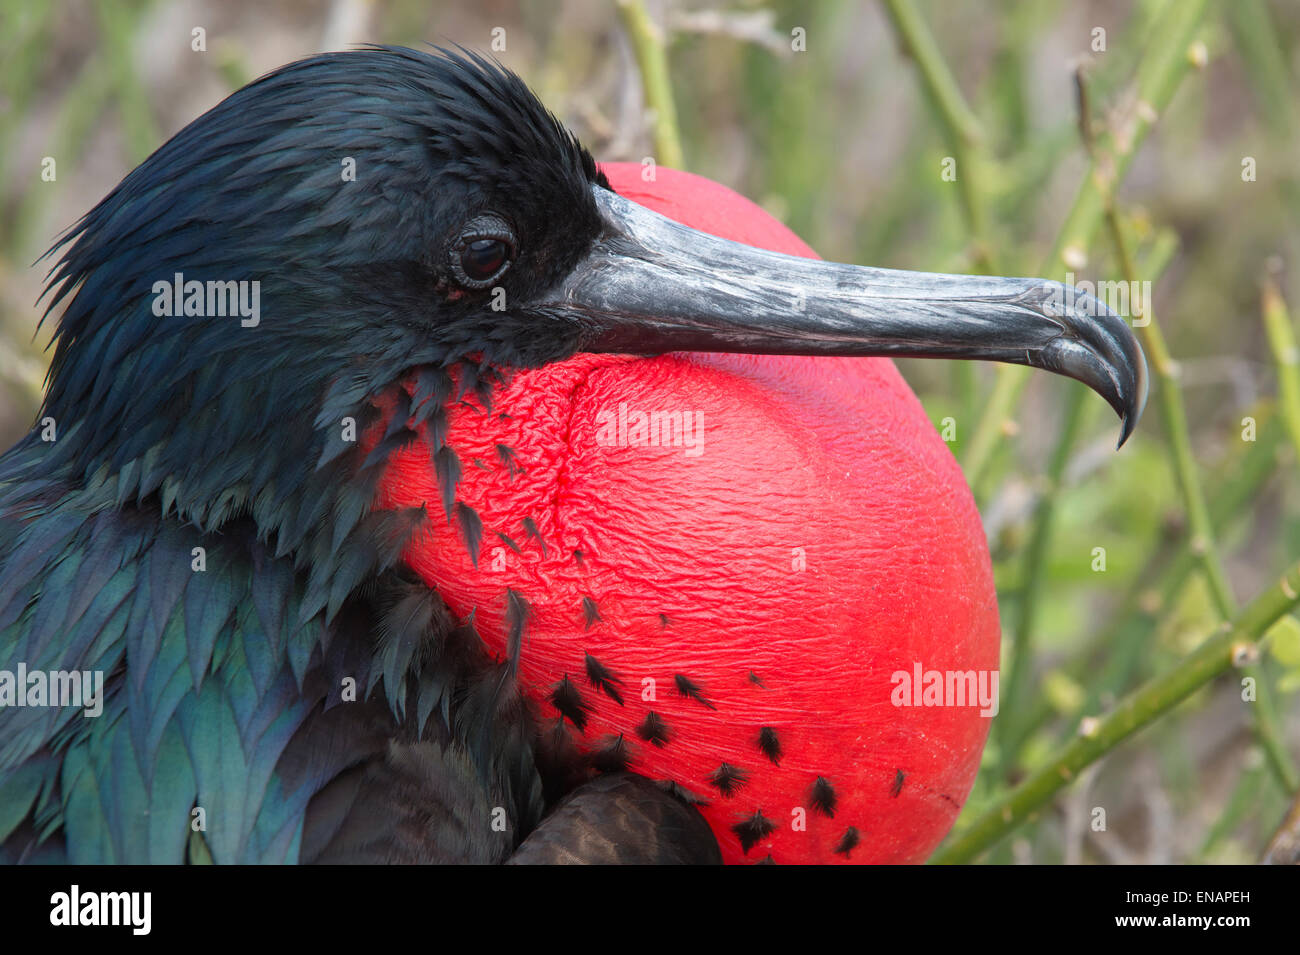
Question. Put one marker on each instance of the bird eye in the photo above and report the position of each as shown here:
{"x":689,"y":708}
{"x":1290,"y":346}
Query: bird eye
{"x":483,"y":253}
{"x":483,"y":258}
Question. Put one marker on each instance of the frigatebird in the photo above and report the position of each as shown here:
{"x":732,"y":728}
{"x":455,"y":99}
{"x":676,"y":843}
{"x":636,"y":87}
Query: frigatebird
{"x":340,"y":266}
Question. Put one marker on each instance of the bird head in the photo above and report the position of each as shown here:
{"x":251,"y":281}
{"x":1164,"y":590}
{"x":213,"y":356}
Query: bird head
{"x":295,"y":250}
{"x":424,"y":263}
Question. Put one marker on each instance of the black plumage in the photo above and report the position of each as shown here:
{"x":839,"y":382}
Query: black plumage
{"x":606,"y":821}
{"x":530,"y":530}
{"x":687,"y":688}
{"x":590,"y":612}
{"x":202,"y":531}
{"x":822,"y":798}
{"x":727,"y":779}
{"x":848,"y":842}
{"x":612,"y":754}
{"x":602,"y":679}
{"x":507,"y":457}
{"x":570,"y":703}
{"x":753,"y":829}
{"x":654,"y":729}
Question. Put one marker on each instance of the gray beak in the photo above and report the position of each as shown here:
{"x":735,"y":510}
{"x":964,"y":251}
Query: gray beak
{"x":650,"y":285}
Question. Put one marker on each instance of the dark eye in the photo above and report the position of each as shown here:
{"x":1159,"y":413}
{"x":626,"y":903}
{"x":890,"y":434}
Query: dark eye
{"x":482,"y":259}
{"x":483,"y":252}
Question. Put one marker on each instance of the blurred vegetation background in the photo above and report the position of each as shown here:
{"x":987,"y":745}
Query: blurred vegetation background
{"x":1170,"y":124}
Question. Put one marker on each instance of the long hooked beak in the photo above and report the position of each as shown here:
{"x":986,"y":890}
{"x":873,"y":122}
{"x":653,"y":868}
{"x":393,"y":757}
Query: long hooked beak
{"x":650,"y":285}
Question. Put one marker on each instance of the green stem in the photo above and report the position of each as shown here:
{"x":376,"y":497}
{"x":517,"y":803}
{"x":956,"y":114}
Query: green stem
{"x":1169,"y":396}
{"x":959,"y":119}
{"x":1028,"y":714}
{"x":1281,"y":340}
{"x":1016,"y":726}
{"x":1127,"y":639}
{"x":1264,"y":60}
{"x":1162,"y":69}
{"x":1155,"y":698}
{"x":1161,"y":579}
{"x":996,"y":421}
{"x":1267,"y":732}
{"x":652,"y":60}
{"x":1010,"y":731}
{"x":961,"y":127}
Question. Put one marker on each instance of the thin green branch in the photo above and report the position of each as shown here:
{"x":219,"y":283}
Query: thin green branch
{"x":1281,"y":340}
{"x":1268,"y":734}
{"x":652,"y":59}
{"x":1218,"y":653}
{"x":1162,"y":70}
{"x":1014,"y":728}
{"x":1264,"y":60}
{"x":959,"y":119}
{"x":961,"y":127}
{"x":1016,"y":725}
{"x":1133,"y":624}
{"x":1011,"y":730}
{"x":1169,"y":397}
{"x":1158,"y":584}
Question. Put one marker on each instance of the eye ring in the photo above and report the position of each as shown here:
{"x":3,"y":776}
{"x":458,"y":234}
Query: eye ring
{"x":482,"y":253}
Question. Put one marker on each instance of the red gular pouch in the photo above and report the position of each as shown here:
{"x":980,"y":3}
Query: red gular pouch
{"x":753,"y":573}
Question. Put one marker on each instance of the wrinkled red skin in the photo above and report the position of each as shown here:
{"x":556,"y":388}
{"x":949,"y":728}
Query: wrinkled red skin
{"x":823,"y":539}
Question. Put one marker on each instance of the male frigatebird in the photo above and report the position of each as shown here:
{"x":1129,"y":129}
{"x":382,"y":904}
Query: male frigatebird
{"x":354,"y":328}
